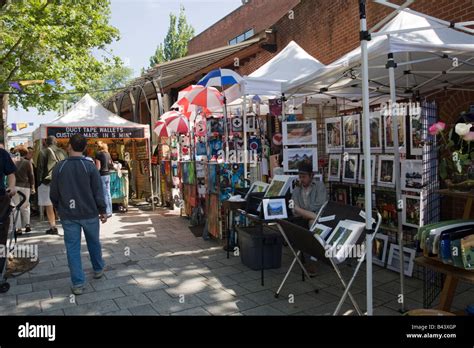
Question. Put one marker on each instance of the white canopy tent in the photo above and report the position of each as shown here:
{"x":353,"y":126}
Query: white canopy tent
{"x":90,"y":114}
{"x":421,"y":54}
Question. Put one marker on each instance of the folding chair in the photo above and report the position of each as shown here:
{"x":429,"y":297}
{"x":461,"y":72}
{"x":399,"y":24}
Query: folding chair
{"x":302,"y":240}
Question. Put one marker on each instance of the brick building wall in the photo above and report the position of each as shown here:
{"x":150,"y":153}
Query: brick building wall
{"x":256,"y":14}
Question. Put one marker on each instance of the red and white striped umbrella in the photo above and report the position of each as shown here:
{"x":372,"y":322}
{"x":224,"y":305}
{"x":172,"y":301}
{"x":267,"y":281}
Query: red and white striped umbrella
{"x":169,"y":114}
{"x":208,"y":97}
{"x":177,"y":124}
{"x":161,"y":129}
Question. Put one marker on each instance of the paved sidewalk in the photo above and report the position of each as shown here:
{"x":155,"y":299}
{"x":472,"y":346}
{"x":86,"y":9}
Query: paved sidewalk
{"x":157,"y":267}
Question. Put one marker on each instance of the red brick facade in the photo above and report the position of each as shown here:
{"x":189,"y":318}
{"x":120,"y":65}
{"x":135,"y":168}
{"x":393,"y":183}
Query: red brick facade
{"x":256,"y":14}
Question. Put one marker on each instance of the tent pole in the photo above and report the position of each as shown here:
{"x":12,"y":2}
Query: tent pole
{"x":150,"y":175}
{"x":244,"y":115}
{"x":364,"y":38}
{"x":394,"y":112}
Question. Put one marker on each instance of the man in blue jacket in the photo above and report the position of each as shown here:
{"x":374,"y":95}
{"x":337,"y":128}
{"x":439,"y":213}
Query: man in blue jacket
{"x":77,"y":195}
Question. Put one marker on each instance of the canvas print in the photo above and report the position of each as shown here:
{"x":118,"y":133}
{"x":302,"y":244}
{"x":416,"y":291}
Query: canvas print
{"x":416,"y":134}
{"x":257,"y":186}
{"x":340,"y":193}
{"x":300,"y":133}
{"x":386,"y":175}
{"x":393,"y":262}
{"x":375,"y":131}
{"x":379,"y":249}
{"x":216,"y":125}
{"x":412,"y":212}
{"x":351,"y":133}
{"x":349,"y":168}
{"x":333,"y":127}
{"x":334,"y":173}
{"x":294,"y":157}
{"x":386,"y":204}
{"x":388,"y":139}
{"x":212,"y":178}
{"x":274,"y":209}
{"x":412,"y":175}
{"x":362,"y":169}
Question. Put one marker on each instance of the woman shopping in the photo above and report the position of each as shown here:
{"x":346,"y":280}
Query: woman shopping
{"x":103,"y":162}
{"x":25,"y":183}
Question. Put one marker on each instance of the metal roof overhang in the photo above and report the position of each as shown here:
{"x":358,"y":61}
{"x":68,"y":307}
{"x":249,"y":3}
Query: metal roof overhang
{"x":170,"y":73}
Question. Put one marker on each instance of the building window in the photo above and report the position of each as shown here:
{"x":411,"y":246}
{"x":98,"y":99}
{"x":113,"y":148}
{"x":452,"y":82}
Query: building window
{"x":242,"y":37}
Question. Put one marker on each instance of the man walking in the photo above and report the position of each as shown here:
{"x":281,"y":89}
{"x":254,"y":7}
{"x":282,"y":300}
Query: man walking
{"x":49,"y":158}
{"x":77,"y":194}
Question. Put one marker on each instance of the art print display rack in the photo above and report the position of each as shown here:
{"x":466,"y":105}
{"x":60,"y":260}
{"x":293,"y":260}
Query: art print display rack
{"x":419,"y":167}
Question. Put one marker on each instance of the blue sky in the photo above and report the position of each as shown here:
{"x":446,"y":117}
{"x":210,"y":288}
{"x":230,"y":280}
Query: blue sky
{"x":143,"y":25}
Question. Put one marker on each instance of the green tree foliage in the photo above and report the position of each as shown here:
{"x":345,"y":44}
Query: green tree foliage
{"x":175,"y":44}
{"x":54,"y":40}
{"x":113,"y":80}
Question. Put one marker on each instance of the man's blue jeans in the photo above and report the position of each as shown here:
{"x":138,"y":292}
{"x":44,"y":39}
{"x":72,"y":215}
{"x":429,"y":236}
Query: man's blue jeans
{"x":107,"y":195}
{"x":72,"y":240}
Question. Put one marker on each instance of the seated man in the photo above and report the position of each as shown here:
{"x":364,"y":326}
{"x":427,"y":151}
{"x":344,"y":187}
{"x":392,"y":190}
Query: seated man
{"x":309,"y":196}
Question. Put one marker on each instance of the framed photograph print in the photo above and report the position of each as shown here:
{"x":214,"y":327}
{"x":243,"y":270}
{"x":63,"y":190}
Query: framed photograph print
{"x":358,"y":197}
{"x":294,"y":157}
{"x":362,"y":169}
{"x":334,"y":173}
{"x":379,"y":249}
{"x":274,"y":208}
{"x":386,"y":203}
{"x":257,"y":186}
{"x":375,"y":131}
{"x":412,"y":211}
{"x":340,"y":193}
{"x":349,"y":168}
{"x":333,"y":132}
{"x":351,"y":133}
{"x":343,"y":237}
{"x":300,"y":133}
{"x":386,"y":175}
{"x":388,"y":128}
{"x":416,"y":134}
{"x":393,"y":262}
{"x":318,"y":177}
{"x":412,"y":175}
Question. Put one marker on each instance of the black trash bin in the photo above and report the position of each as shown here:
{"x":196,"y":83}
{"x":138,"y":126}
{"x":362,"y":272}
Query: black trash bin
{"x":251,"y":240}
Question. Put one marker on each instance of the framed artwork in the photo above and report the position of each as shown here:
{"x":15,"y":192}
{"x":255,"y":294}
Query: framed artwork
{"x":340,"y":193}
{"x":412,"y":175}
{"x":379,"y":249}
{"x":251,"y":125}
{"x":416,"y":134}
{"x":375,"y":131}
{"x":346,"y":233}
{"x":322,"y":231}
{"x":300,"y":133}
{"x":257,"y":186}
{"x":358,"y":197}
{"x":362,"y":169}
{"x":333,"y":132}
{"x":216,"y":125}
{"x":349,"y":168}
{"x":279,"y":186}
{"x":351,"y":133}
{"x":318,"y":177}
{"x":386,"y":175}
{"x":274,"y":208}
{"x":294,"y":157}
{"x":386,"y":203}
{"x":237,"y":124}
{"x":393,"y":262}
{"x":412,"y":211}
{"x":388,"y":125}
{"x":334,"y":173}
